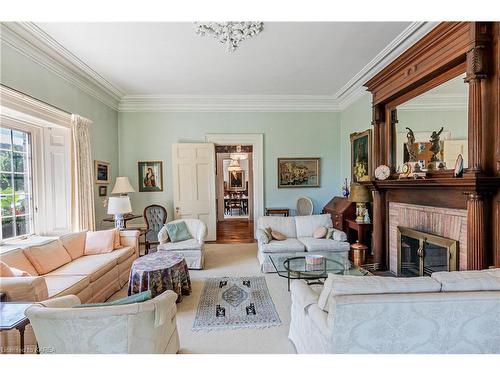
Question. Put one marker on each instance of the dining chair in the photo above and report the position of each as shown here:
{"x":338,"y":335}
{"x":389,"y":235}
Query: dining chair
{"x":155,"y":217}
{"x":305,"y":206}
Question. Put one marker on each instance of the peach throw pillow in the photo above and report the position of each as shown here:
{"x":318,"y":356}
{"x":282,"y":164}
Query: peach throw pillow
{"x":117,"y":244}
{"x":74,"y":243}
{"x":99,"y":242}
{"x":5,"y":270}
{"x":278,"y":236}
{"x":320,"y":232}
{"x":47,"y":257}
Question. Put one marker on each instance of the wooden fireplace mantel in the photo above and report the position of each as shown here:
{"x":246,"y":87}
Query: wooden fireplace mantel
{"x":450,"y":49}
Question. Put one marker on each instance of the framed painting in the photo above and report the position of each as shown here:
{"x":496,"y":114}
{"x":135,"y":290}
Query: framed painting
{"x":103,"y":191}
{"x":102,"y":172}
{"x":237,"y":180}
{"x":298,"y":172}
{"x":150,"y":174}
{"x":361,"y":156}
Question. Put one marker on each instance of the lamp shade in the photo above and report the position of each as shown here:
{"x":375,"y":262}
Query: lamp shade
{"x":359,"y":194}
{"x":119,"y":205}
{"x":122,"y":186}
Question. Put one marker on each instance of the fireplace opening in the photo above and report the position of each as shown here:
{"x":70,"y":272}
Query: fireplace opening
{"x":421,"y":254}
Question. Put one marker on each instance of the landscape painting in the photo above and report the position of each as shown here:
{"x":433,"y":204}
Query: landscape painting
{"x":298,"y":173}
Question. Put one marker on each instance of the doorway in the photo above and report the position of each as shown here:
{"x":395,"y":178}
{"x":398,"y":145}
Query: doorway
{"x":234,"y":193}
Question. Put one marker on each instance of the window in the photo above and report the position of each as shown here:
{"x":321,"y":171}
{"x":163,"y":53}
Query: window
{"x":16,"y":183}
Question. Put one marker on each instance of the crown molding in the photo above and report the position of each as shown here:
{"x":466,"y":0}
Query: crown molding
{"x":17,"y":105}
{"x":354,"y":89}
{"x":436,"y":102}
{"x":39,"y":47}
{"x":228,"y":103}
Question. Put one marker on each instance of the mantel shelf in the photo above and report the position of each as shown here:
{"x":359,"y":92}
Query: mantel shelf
{"x":464,"y":184}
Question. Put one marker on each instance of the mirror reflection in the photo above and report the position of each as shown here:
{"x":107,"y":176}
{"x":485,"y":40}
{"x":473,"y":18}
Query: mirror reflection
{"x":432,"y":127}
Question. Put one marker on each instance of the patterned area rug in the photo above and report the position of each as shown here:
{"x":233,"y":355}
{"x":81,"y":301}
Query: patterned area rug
{"x":235,"y":302}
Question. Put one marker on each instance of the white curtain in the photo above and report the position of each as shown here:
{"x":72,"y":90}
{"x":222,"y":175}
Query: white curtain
{"x":82,"y":186}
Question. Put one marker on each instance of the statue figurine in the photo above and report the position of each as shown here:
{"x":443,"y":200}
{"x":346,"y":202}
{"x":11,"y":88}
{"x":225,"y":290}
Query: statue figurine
{"x":409,"y":146}
{"x":435,"y":146}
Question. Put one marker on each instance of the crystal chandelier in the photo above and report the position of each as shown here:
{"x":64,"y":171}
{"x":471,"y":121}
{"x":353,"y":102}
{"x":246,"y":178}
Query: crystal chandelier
{"x":238,"y":155}
{"x":234,"y":165}
{"x":229,"y":33}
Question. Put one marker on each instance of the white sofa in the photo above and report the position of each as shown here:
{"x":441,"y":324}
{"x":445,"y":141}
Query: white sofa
{"x":450,"y":312}
{"x":147,"y":327}
{"x":298,"y":231}
{"x":193,"y":250}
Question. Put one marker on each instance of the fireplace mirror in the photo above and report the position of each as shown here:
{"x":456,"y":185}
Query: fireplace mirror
{"x":421,"y":254}
{"x":443,"y":107}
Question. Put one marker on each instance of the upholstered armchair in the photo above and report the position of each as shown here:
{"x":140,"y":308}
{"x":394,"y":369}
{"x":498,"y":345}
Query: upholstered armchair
{"x":155,"y":217}
{"x":192,"y":250}
{"x":148,"y":327}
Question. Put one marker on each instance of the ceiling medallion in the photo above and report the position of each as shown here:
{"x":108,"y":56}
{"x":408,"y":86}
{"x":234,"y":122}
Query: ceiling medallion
{"x":229,"y":33}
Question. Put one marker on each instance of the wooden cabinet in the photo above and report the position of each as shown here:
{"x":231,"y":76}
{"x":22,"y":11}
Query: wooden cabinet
{"x":340,"y":209}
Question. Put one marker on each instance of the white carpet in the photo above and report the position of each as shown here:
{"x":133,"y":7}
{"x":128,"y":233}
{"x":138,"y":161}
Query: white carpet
{"x":232,"y":260}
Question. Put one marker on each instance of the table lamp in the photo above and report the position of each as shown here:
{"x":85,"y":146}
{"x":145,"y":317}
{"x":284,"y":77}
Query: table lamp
{"x":360,"y":195}
{"x":122,"y":186}
{"x":118,"y":206}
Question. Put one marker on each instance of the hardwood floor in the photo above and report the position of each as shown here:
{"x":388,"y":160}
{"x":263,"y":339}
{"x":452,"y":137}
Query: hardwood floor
{"x":235,"y":231}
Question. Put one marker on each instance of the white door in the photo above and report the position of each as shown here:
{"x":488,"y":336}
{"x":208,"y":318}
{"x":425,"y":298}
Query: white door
{"x":193,"y":169}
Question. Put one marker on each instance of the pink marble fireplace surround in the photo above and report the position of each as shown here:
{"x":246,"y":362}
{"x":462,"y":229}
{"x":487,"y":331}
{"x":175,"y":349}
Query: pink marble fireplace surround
{"x":445,"y":222}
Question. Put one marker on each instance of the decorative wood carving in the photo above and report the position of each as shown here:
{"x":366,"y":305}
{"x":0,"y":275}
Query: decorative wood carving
{"x":476,"y":232}
{"x":448,"y":50}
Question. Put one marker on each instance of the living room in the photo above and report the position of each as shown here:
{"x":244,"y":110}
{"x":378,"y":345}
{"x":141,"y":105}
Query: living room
{"x":294,"y":185}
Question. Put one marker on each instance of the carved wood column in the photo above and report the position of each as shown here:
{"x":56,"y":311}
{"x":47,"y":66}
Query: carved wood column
{"x":476,"y":73}
{"x":476,"y":231}
{"x":378,"y":229}
{"x":378,"y":120}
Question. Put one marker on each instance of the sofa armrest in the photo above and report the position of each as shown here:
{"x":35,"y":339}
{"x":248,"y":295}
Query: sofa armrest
{"x":302,"y":295}
{"x":201,"y":234}
{"x":24,"y":289}
{"x":130,"y":238}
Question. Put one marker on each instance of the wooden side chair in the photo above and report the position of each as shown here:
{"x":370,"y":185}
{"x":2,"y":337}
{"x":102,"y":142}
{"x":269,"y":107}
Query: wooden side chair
{"x":155,"y":216}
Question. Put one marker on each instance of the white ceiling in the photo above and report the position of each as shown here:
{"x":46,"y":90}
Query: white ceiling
{"x":168,"y":58}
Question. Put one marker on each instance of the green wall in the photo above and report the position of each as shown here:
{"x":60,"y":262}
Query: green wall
{"x":149,"y":136}
{"x":22,"y":74}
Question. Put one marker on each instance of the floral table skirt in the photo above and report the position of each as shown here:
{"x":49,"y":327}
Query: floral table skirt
{"x":158,"y":272}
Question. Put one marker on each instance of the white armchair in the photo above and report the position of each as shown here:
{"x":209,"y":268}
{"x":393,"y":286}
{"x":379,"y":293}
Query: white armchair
{"x":193,"y":250}
{"x":148,"y":327}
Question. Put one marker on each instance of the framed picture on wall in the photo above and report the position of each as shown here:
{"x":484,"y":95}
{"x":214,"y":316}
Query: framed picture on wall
{"x":361,"y":156}
{"x":237,"y":180}
{"x":103,"y":191}
{"x":298,"y":172}
{"x":150,"y":174}
{"x":102,"y":172}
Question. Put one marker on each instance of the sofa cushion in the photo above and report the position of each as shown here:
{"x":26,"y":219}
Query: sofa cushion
{"x":320,"y":232}
{"x":191,"y":244}
{"x":285,"y":225}
{"x":58,"y":286}
{"x":74,"y":243}
{"x":288,"y":245}
{"x":5,"y":270}
{"x":278,"y":236}
{"x":134,"y":298}
{"x":94,"y":266}
{"x":17,"y":259}
{"x":99,"y":242}
{"x":117,"y":243}
{"x":178,"y":231}
{"x":119,"y":255}
{"x":306,"y":225}
{"x":322,"y":244}
{"x":468,"y":281}
{"x":163,"y":235}
{"x":346,"y":284}
{"x":47,"y":257}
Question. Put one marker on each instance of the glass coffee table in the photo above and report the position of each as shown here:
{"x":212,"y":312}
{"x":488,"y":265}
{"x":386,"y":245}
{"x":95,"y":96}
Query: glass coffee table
{"x":313,"y":267}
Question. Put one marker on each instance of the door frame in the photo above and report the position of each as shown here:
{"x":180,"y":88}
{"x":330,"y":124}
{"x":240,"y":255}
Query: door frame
{"x":257,"y":141}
